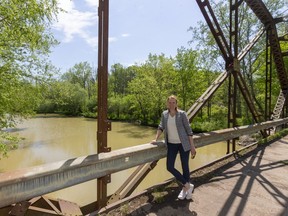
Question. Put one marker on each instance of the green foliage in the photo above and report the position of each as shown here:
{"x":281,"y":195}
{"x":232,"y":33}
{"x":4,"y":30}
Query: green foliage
{"x":25,"y":26}
{"x":120,"y":108}
{"x":272,"y":137}
{"x":74,"y":94}
{"x":205,"y":125}
{"x":124,"y":209}
{"x":25,"y":41}
{"x":186,"y":73}
{"x":153,"y":82}
{"x":141,"y":91}
{"x":92,"y":105}
{"x":83,"y":75}
{"x":159,"y":195}
{"x":214,"y":121}
{"x":7,"y":142}
{"x":119,"y":78}
{"x":18,"y":99}
{"x":47,"y":106}
{"x":69,"y":98}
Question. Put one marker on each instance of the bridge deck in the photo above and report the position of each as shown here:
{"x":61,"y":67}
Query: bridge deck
{"x":256,"y":185}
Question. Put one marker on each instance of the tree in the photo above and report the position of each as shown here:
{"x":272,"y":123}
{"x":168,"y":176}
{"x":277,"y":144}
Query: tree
{"x":67,"y":98}
{"x":118,"y":94}
{"x":119,"y":78}
{"x":153,"y":82}
{"x":82,"y":74}
{"x":25,"y":40}
{"x":186,"y":75}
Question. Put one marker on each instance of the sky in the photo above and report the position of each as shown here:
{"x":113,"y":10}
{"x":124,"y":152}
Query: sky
{"x":136,"y":28}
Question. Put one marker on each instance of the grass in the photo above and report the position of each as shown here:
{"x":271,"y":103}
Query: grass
{"x":124,"y":209}
{"x":159,"y":195}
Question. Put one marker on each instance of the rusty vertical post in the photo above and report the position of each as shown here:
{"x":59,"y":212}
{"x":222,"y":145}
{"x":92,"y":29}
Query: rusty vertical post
{"x":103,"y":125}
{"x":233,"y":46}
{"x":236,"y":67}
{"x":230,"y":83}
{"x":268,"y":77}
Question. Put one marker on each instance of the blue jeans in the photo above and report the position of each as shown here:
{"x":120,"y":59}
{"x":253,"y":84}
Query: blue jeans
{"x":172,"y":152}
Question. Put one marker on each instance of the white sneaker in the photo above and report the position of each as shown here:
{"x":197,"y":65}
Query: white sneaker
{"x":182,"y":194}
{"x":189,"y":192}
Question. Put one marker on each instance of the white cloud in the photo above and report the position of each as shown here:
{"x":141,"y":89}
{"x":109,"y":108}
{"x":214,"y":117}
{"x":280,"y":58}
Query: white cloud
{"x":125,"y":35}
{"x":93,"y":3}
{"x":112,"y":39}
{"x":74,"y":23}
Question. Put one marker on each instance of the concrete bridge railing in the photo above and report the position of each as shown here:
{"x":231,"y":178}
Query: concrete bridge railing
{"x":24,"y":184}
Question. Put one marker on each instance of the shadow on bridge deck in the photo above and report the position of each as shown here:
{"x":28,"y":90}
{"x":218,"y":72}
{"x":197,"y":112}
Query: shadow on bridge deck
{"x":255,"y":184}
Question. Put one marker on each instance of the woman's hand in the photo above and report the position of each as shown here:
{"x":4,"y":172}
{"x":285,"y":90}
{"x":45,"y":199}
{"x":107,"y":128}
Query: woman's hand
{"x":193,"y":152}
{"x":153,"y":142}
{"x":159,"y":132}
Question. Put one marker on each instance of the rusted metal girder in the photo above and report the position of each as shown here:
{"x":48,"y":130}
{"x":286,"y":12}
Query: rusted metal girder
{"x":260,"y":10}
{"x":233,"y":81}
{"x":103,"y":125}
{"x":229,"y":52}
{"x":216,"y":30}
{"x":232,"y":59}
{"x":42,"y":205}
{"x":202,"y":100}
{"x":268,"y":83}
{"x":132,"y":182}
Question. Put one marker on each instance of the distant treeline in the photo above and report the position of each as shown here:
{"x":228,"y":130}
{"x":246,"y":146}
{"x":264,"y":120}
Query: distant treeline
{"x":139,"y":92}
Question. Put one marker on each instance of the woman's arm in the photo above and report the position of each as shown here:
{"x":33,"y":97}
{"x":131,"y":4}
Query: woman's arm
{"x":186,"y":124}
{"x":158,"y":134}
{"x":159,"y":130}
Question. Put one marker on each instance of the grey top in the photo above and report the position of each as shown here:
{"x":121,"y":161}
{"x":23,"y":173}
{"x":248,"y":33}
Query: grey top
{"x":182,"y":125}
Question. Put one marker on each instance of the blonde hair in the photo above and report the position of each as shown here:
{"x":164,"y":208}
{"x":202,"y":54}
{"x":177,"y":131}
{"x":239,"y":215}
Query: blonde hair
{"x":173,"y":97}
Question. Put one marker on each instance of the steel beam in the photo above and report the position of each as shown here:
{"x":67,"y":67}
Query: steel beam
{"x":261,"y":11}
{"x":102,"y":122}
{"x":199,"y":103}
{"x":215,"y":29}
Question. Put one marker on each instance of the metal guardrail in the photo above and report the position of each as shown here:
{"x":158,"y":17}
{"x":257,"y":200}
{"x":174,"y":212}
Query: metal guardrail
{"x":230,"y":133}
{"x":31,"y":182}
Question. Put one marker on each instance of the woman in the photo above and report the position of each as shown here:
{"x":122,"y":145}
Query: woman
{"x":178,"y":137}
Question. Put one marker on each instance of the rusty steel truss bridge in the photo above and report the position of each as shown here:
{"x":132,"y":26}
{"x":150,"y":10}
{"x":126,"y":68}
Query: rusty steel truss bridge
{"x":20,"y":191}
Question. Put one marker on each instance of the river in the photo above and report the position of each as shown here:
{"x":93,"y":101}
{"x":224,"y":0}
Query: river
{"x":50,"y":138}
